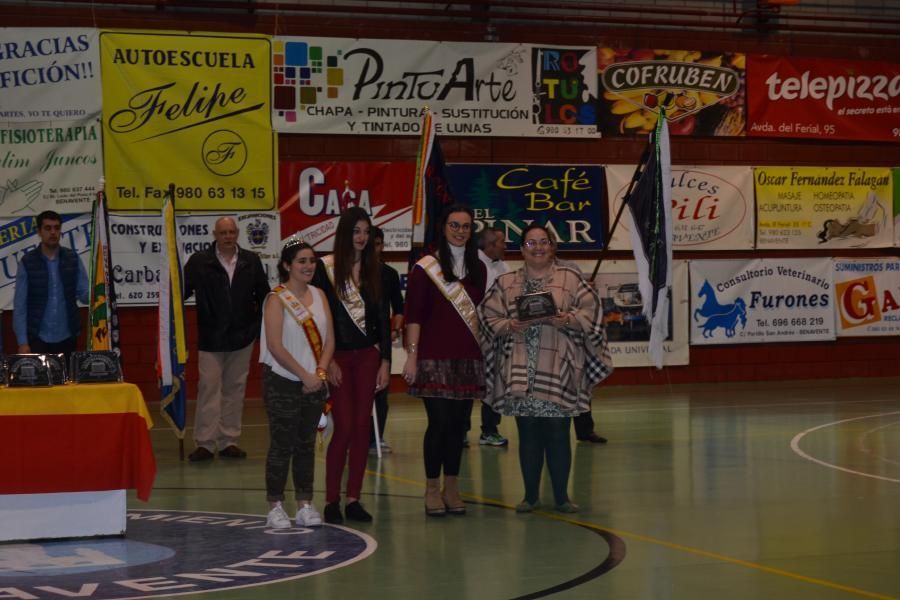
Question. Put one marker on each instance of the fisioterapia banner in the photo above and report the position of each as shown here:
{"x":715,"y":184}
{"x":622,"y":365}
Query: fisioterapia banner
{"x":190,"y":110}
{"x":867,"y":296}
{"x":821,"y":207}
{"x":313,"y":195}
{"x":761,"y":301}
{"x":823,"y":98}
{"x":702,"y":92}
{"x":381,"y":87}
{"x":712,"y":207}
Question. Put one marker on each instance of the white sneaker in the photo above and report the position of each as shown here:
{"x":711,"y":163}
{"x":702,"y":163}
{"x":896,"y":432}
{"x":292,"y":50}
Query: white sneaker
{"x":308,"y":516}
{"x":385,"y":449}
{"x":278,"y":519}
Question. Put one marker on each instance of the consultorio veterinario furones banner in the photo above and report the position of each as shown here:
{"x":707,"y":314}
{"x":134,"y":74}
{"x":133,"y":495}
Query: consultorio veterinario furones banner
{"x":761,"y":301}
{"x":867,"y":296}
{"x":381,"y":87}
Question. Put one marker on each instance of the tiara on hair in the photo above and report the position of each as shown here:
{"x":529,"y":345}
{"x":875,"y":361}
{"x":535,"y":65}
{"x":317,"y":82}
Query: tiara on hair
{"x":294,"y":240}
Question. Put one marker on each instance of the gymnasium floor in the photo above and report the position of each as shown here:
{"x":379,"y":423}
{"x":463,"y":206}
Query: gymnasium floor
{"x":771,"y":490}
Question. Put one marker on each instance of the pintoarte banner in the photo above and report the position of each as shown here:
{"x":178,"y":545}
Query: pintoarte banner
{"x":49,"y":74}
{"x":49,"y":165}
{"x":136,"y":243}
{"x":761,"y":301}
{"x":19,"y":235}
{"x":567,"y":198}
{"x":188,"y":110}
{"x":382,"y":87}
{"x":822,"y":207}
{"x":820,"y":98}
{"x":702,"y":91}
{"x":627,"y":329}
{"x":313,"y":195}
{"x":712,"y":207}
{"x":867,"y":296}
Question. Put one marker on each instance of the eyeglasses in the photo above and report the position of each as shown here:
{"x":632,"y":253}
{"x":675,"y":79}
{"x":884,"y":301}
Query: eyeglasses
{"x":459,"y":226}
{"x":543,"y":243}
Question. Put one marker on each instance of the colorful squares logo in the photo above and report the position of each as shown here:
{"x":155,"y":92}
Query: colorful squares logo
{"x":303,"y":75}
{"x":335,"y":77}
{"x":284,"y":98}
{"x":297,"y":53}
{"x":307,"y":95}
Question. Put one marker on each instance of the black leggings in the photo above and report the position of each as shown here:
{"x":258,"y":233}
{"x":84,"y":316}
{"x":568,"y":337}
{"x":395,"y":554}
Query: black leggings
{"x":539,"y":436}
{"x":444,"y":436}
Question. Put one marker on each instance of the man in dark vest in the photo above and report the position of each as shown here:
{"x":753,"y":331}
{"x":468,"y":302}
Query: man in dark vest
{"x":230,"y":285}
{"x":49,"y":282}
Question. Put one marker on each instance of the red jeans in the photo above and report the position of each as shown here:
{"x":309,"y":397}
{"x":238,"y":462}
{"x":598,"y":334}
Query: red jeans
{"x":351,"y":409}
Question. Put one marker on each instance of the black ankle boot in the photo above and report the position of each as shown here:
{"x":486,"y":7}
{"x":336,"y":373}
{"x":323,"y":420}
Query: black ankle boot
{"x":333,"y":513}
{"x":355,"y":512}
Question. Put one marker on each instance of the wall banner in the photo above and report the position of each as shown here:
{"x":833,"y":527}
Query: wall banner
{"x":712,"y":207}
{"x":193,"y":110}
{"x":136,"y":243}
{"x":820,"y":207}
{"x":381,"y":87}
{"x":565,"y":197}
{"x":313,"y":195}
{"x":761,"y":301}
{"x":867,"y":296}
{"x":19,"y":235}
{"x":49,"y":74}
{"x":896,"y":175}
{"x":626,"y":327}
{"x":823,"y":98}
{"x":703,"y":91}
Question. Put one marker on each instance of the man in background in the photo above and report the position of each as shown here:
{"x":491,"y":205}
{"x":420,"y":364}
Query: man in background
{"x":230,"y":286}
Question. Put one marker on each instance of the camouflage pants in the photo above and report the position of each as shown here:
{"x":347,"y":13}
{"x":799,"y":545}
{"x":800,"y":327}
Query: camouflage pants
{"x":293,"y":419}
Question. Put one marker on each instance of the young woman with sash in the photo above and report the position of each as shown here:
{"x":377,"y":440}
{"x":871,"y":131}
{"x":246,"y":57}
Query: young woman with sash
{"x":295,"y":348}
{"x":444,"y":365}
{"x":351,"y":279}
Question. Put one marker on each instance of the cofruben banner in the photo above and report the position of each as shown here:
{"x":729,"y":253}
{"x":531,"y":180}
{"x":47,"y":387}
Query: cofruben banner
{"x":190,"y":110}
{"x":867,"y":296}
{"x":761,"y":301}
{"x":823,"y":98}
{"x":712,"y":207}
{"x":381,"y":87}
{"x":822,"y":207}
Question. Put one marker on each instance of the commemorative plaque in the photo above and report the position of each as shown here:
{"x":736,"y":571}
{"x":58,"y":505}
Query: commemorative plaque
{"x":95,"y":367}
{"x":27,"y":370}
{"x":56,"y":364}
{"x":534,"y":306}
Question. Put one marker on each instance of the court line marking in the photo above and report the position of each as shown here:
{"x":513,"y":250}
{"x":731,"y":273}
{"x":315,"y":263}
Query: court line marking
{"x":795,"y":446}
{"x":666,"y":544}
{"x":864,"y":447}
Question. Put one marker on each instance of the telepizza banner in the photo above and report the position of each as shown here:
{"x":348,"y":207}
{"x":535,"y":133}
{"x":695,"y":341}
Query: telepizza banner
{"x":823,"y":98}
{"x":566,"y":198}
{"x":761,"y":301}
{"x":19,"y":235}
{"x":381,"y":87}
{"x":822,"y":207}
{"x":313,"y":195}
{"x":137,"y":243}
{"x":49,"y":74}
{"x":702,"y":92}
{"x":191,"y":110}
{"x":712,"y":207}
{"x":867,"y":296}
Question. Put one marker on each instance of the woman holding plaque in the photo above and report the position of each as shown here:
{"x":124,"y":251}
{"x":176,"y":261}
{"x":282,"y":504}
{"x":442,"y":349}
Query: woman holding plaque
{"x":295,"y":348}
{"x":444,"y":365}
{"x":544,"y":345}
{"x":351,"y":279}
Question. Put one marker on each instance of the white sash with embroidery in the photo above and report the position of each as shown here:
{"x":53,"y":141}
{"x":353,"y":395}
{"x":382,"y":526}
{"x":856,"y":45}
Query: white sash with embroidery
{"x":454,"y":292}
{"x":355,"y":305}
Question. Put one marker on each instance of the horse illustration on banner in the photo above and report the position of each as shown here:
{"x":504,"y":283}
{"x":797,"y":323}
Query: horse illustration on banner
{"x":718,"y":315}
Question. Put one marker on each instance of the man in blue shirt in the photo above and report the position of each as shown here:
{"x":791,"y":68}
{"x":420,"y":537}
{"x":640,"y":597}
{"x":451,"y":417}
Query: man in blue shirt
{"x":49,"y":282}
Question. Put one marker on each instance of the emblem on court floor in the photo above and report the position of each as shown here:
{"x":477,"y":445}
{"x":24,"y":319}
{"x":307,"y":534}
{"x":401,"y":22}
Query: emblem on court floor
{"x":169,"y":553}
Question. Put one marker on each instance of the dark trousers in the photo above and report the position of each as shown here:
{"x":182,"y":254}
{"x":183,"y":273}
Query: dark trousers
{"x":540,"y":437}
{"x":490,"y":420}
{"x":381,"y":411}
{"x":39,"y":346}
{"x":442,"y":446}
{"x":584,"y":425}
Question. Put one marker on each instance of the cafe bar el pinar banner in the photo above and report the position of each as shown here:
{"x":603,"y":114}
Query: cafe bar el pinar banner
{"x":703,"y":92}
{"x":313,"y":195}
{"x":50,"y":142}
{"x":712,"y":207}
{"x":761,"y":301}
{"x":867,"y":296}
{"x":381,"y":87}
{"x":820,"y":207}
{"x":192,"y":110}
{"x":823,"y":98}
{"x":567,"y":198}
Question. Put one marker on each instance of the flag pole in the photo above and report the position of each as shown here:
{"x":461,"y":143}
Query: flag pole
{"x":174,"y":209}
